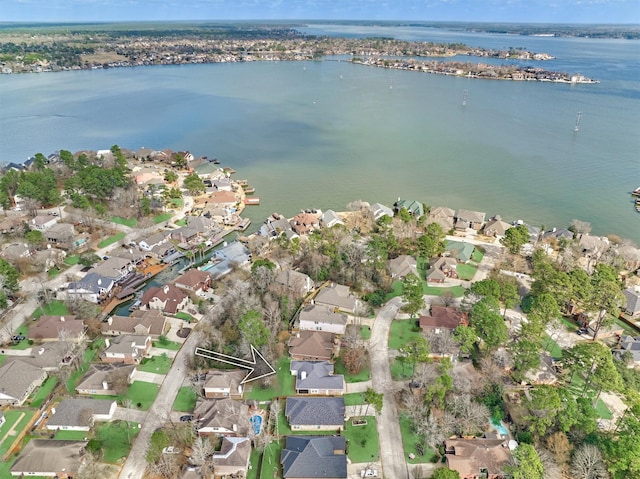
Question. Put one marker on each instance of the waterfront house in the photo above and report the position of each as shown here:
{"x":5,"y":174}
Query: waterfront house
{"x":235,"y":252}
{"x":79,"y":414}
{"x":222,"y":417}
{"x":54,"y":328}
{"x":443,"y":318}
{"x":403,"y":265}
{"x":557,"y":234}
{"x":126,"y":348}
{"x":312,"y":346}
{"x":317,"y":378}
{"x":232,"y":460}
{"x":443,"y":216}
{"x":468,"y":219}
{"x":18,"y":379}
{"x":42,"y":222}
{"x":154,"y":240}
{"x":496,"y":227}
{"x":630,"y":257}
{"x":593,"y":246}
{"x":379,"y":210}
{"x":224,"y":383}
{"x":201,"y":224}
{"x":274,"y":226}
{"x":50,"y":458}
{"x":222,"y":184}
{"x":222,"y":199}
{"x":338,"y":297}
{"x":329,"y":219}
{"x":477,"y":458}
{"x":194,"y":281}
{"x":632,"y":306}
{"x":93,"y":288}
{"x":106,"y":379}
{"x":315,"y":317}
{"x":441,"y":269}
{"x":415,"y":208}
{"x":305,"y":223}
{"x":296,"y":282}
{"x":114,"y":267}
{"x":459,"y":250}
{"x":311,"y":457}
{"x":168,"y":299}
{"x":184,"y":235}
{"x":315,"y":413}
{"x":147,"y":322}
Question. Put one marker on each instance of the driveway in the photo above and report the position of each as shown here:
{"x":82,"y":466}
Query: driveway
{"x":149,"y":377}
{"x":392,"y":456}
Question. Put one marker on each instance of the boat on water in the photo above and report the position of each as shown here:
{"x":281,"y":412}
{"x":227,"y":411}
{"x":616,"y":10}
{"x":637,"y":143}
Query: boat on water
{"x":243,"y":225}
{"x":252,"y":201}
{"x":249,"y":190}
{"x":636,"y":192}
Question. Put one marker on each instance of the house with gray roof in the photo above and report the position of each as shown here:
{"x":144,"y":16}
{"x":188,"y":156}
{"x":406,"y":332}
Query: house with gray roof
{"x":17,"y":250}
{"x":468,"y":219}
{"x":329,"y":219}
{"x":126,"y":348}
{"x":402,"y":266}
{"x":311,"y":457}
{"x":274,"y":226}
{"x":114,"y":267}
{"x":443,"y":216}
{"x":314,"y":317}
{"x":628,"y":344}
{"x":222,"y":417}
{"x":315,"y":413}
{"x":103,"y":378}
{"x":339,"y":297}
{"x":50,"y":457}
{"x":93,"y":288}
{"x":18,"y":380}
{"x":156,"y":239}
{"x":224,"y":383}
{"x":49,"y":356}
{"x":233,"y":458}
{"x":64,"y":236}
{"x":378,"y":210}
{"x":496,"y":227}
{"x":79,"y":414}
{"x":441,"y":269}
{"x":298,"y":283}
{"x":632,"y":307}
{"x":557,"y":234}
{"x":317,"y":378}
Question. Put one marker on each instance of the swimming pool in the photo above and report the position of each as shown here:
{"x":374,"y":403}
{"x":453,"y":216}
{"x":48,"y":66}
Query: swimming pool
{"x":500,"y":429}
{"x":256,"y":421}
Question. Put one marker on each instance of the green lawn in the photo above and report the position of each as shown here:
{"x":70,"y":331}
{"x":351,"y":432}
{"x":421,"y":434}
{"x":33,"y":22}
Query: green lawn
{"x":456,"y":291}
{"x":627,"y":329}
{"x":142,"y":394}
{"x":365,"y":332}
{"x":477,"y":255}
{"x":271,"y":460}
{"x":54,"y":308}
{"x":409,"y":441}
{"x":16,"y":420}
{"x":88,"y":356}
{"x":466,"y":271}
{"x":401,"y":333}
{"x":362,"y":441}
{"x":548,"y":344}
{"x":398,"y":372}
{"x":110,"y":240}
{"x":363,"y":375}
{"x":186,"y":316}
{"x":72,"y":259}
{"x":166,"y":344}
{"x":163,"y":217}
{"x":43,"y":391}
{"x":283,"y":384}
{"x":53,"y":272}
{"x":577,"y":387}
{"x":130,"y":222}
{"x":71,"y":435}
{"x":115,"y":439}
{"x":3,"y":358}
{"x":353,"y":399}
{"x":254,"y":462}
{"x":156,"y":364}
{"x":182,"y":222}
{"x":185,"y":400}
{"x":176,"y":202}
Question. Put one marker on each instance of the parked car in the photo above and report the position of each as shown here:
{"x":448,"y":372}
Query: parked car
{"x":186,"y":418}
{"x":18,"y":337}
{"x":369,"y":473}
{"x":582,"y":331}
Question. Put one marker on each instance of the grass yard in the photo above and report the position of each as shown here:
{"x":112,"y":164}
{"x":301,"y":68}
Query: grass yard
{"x":283,"y":384}
{"x":409,"y":441}
{"x":400,"y":372}
{"x":142,"y":394}
{"x":71,"y":435}
{"x":130,"y":222}
{"x":163,"y":217}
{"x":456,"y":291}
{"x":628,"y":330}
{"x":176,"y":202}
{"x":365,"y":332}
{"x":182,"y":222}
{"x":43,"y":392}
{"x":3,"y":358}
{"x":576,"y":388}
{"x":254,"y":464}
{"x":477,"y":255}
{"x":548,"y":344}
{"x":115,"y":439}
{"x":353,"y":399}
{"x":14,"y":419}
{"x":185,"y":400}
{"x":166,"y":344}
{"x":110,"y":240}
{"x":53,"y":272}
{"x":362,"y":441}
{"x":363,"y":375}
{"x":271,"y":460}
{"x":156,"y":364}
{"x":466,"y":271}
{"x":88,"y":356}
{"x":54,"y":308}
{"x":402,"y":332}
{"x":186,"y":316}
{"x":72,"y":259}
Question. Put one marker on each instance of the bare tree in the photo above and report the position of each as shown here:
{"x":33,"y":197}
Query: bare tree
{"x":442,"y":342}
{"x":558,"y":444}
{"x":201,"y":450}
{"x":549,"y":466}
{"x":582,"y":227}
{"x":587,"y":463}
{"x":92,"y":468}
{"x":166,"y":467}
{"x":472,"y":417}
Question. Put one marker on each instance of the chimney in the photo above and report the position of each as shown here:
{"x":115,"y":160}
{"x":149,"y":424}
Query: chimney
{"x":53,"y":411}
{"x":235,"y":428}
{"x":62,"y":319}
{"x":110,"y":320}
{"x":105,"y":385}
{"x":40,"y":351}
{"x":165,"y":289}
{"x":303,"y":375}
{"x":107,"y":342}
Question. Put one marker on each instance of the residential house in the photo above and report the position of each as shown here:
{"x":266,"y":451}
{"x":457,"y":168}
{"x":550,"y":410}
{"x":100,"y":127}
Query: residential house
{"x":415,"y":208}
{"x":184,"y":235}
{"x":459,"y":250}
{"x":114,"y":267}
{"x":51,"y":458}
{"x":233,"y":458}
{"x":545,"y":373}
{"x":402,"y":266}
{"x":93,"y":288}
{"x":305,"y":223}
{"x":194,"y":281}
{"x":632,"y":307}
{"x":54,"y":328}
{"x":79,"y":414}
{"x":154,"y":240}
{"x":379,"y":210}
{"x":274,"y":226}
{"x":630,"y":256}
{"x":443,"y":317}
{"x":42,"y":222}
{"x":298,"y":283}
{"x":314,"y":317}
{"x":126,"y":348}
{"x":496,"y":227}
{"x":104,"y":378}
{"x":147,"y":176}
{"x":12,"y":224}
{"x":628,"y":344}
{"x":311,"y":457}
{"x":329,"y":219}
{"x":558,"y":234}
{"x":64,"y":236}
{"x":317,"y":378}
{"x":315,"y":413}
{"x":15,"y":251}
{"x":222,"y":184}
{"x":50,"y":356}
{"x":224,"y":383}
{"x":222,"y":417}
{"x":441,"y":269}
{"x":337,"y":296}
{"x":477,"y":458}
{"x":593,"y":246}
{"x":201,"y":224}
{"x":146,"y":322}
{"x":467,"y":219}
{"x":168,"y":298}
{"x":312,"y":346}
{"x":18,"y":380}
{"x":222,"y":199}
{"x":443,"y":216}
{"x":235,"y":252}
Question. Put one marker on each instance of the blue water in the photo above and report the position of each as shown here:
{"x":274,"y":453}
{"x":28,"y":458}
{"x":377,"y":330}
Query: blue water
{"x":500,"y":429}
{"x":256,"y":421}
{"x":322,"y":134}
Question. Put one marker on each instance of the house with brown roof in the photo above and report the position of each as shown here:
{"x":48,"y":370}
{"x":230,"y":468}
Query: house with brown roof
{"x":441,"y":269}
{"x":314,"y":317}
{"x":305,"y":223}
{"x":443,"y":317}
{"x":443,"y":216}
{"x":168,"y":298}
{"x":126,"y":348}
{"x":222,"y":417}
{"x":52,"y":328}
{"x":339,"y":297}
{"x":222,"y":199}
{"x":50,"y":458}
{"x":468,"y":219}
{"x":298,"y":283}
{"x":194,"y":281}
{"x":147,"y":322}
{"x":114,"y":267}
{"x":477,"y":458}
{"x":496,"y":227}
{"x":233,"y":458}
{"x":224,"y":383}
{"x":402,"y":266}
{"x":18,"y":380}
{"x":313,"y":346}
{"x":103,"y":378}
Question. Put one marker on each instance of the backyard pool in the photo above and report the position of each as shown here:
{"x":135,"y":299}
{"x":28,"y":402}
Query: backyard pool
{"x":256,"y":421}
{"x":500,"y":429}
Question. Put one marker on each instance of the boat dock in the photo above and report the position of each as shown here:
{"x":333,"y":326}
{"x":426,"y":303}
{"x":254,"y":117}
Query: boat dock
{"x":252,"y":201}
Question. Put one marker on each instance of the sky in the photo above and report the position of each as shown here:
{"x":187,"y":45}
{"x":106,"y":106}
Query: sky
{"x":525,"y":11}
